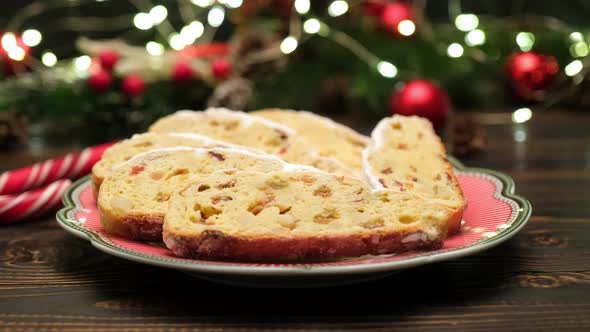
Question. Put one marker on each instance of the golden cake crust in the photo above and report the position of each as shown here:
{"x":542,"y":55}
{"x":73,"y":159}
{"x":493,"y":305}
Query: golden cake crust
{"x":216,"y":245}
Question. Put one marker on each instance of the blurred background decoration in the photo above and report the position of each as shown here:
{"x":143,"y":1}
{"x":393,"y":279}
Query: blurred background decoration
{"x":112,"y":67}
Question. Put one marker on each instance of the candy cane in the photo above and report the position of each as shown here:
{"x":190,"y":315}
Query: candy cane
{"x":70,"y":166}
{"x":14,"y":208}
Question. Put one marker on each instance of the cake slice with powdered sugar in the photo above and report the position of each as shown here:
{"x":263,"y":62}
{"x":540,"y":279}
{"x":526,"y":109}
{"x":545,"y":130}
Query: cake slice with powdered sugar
{"x":297,"y":215}
{"x":329,"y":138}
{"x":406,"y":155}
{"x":250,"y":131}
{"x":127,"y":149}
{"x":133,"y":198}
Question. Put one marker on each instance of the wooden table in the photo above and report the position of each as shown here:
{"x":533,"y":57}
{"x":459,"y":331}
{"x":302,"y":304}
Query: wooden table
{"x":539,"y":280}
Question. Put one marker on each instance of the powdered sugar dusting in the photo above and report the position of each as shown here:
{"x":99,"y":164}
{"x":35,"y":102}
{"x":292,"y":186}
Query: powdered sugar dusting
{"x":156,"y":151}
{"x":333,"y":124}
{"x":367,"y":173}
{"x":248,"y":119}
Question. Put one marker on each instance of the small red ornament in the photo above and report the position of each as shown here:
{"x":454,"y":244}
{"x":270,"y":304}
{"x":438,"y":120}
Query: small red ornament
{"x":531,"y":72}
{"x":393,"y":14}
{"x":221,"y":69}
{"x":133,"y":85}
{"x":100,"y":80}
{"x":422,"y":98}
{"x":182,"y":72}
{"x":108,"y":59}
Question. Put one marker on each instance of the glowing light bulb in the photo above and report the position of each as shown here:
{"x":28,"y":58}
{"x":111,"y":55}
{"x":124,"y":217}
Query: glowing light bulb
{"x":579,"y":49}
{"x":32,"y":37}
{"x":158,"y":14}
{"x":191,"y":32}
{"x":574,"y":68}
{"x":176,"y":42}
{"x":406,"y":28}
{"x":143,"y":21}
{"x":387,"y":69}
{"x":233,"y":3}
{"x":203,"y":3}
{"x":154,"y":48}
{"x":8,"y":41}
{"x":466,"y":22}
{"x":576,"y":37}
{"x":302,"y":6}
{"x":455,"y":50}
{"x":82,"y":63}
{"x":337,"y":8}
{"x":289,"y":44}
{"x":522,"y":115}
{"x":16,"y":53}
{"x":312,"y":26}
{"x":216,"y":16}
{"x":475,"y":37}
{"x":49,"y":59}
{"x":525,"y":40}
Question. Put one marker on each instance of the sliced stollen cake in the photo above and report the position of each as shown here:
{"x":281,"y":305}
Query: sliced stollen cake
{"x":329,"y":138}
{"x":407,"y":156}
{"x":126,"y":149}
{"x":133,"y":197}
{"x":297,"y":215}
{"x":250,"y":131}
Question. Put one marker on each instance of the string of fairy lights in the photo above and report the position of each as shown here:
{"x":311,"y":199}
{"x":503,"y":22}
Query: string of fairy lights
{"x":191,"y":32}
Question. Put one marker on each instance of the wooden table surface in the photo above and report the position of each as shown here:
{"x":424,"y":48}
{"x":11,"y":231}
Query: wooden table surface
{"x":538,"y":281}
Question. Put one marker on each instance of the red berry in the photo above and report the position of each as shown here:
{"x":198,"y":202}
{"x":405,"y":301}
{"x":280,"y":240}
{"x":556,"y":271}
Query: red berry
{"x":133,"y":85}
{"x":221,"y":69}
{"x":182,"y":72}
{"x":108,"y":59}
{"x":100,"y":80}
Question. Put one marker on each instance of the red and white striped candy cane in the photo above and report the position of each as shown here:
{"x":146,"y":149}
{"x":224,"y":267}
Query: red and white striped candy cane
{"x":70,"y":166}
{"x":14,"y":208}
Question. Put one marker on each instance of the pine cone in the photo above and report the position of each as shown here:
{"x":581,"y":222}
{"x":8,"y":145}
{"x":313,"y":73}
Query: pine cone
{"x":236,"y":94}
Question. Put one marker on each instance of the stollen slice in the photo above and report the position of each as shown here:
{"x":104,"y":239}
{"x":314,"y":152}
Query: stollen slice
{"x":250,"y":131}
{"x":126,"y":149}
{"x":406,"y":155}
{"x":297,"y":215}
{"x":133,"y":197}
{"x":328,"y":137}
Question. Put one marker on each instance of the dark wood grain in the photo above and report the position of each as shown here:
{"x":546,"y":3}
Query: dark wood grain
{"x":537,"y":281}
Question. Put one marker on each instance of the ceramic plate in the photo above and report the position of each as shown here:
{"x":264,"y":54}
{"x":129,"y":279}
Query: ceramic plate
{"x":493,"y":215}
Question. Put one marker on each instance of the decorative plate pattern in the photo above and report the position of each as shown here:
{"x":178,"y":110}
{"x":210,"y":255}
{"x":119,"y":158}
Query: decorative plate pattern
{"x":494,"y":214}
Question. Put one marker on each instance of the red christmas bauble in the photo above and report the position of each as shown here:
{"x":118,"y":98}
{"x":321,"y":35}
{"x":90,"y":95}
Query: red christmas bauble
{"x":530,"y":72}
{"x":108,"y":59}
{"x":182,"y":72}
{"x":221,"y":69}
{"x":133,"y":85}
{"x":100,"y":80}
{"x":393,"y":14}
{"x":422,"y":98}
